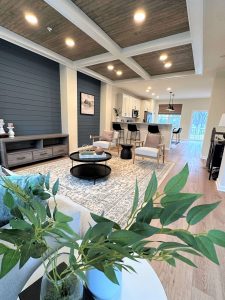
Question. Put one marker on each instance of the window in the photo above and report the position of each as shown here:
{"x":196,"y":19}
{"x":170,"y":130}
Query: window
{"x":198,"y":125}
{"x":170,"y":119}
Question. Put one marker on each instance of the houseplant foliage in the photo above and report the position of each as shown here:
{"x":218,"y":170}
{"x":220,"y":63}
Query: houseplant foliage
{"x":106,"y":244}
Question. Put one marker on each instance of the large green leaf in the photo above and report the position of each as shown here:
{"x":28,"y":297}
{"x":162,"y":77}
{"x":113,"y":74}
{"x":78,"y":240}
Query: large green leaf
{"x":30,"y":215}
{"x":124,"y":251}
{"x":144,"y":229}
{"x":169,"y":245}
{"x":151,"y":188}
{"x":176,"y":183}
{"x":9,"y":260}
{"x":8,"y":200}
{"x":185,"y":236}
{"x":20,"y":224}
{"x":100,"y":229}
{"x":217,"y":237}
{"x":47,"y":180}
{"x":61,"y":218}
{"x":136,"y":198}
{"x":40,"y":210}
{"x":65,"y":227}
{"x":206,"y":247}
{"x":55,"y":187}
{"x":146,"y":214}
{"x":32,"y":249}
{"x":197,"y":213}
{"x":15,"y":236}
{"x":3,"y":249}
{"x":110,"y":273}
{"x":184,"y":259}
{"x":125,"y":237}
{"x":100,"y":219}
{"x":175,"y":211}
{"x":176,"y":198}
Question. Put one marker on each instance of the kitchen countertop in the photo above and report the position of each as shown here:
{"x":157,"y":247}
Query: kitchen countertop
{"x":143,"y":123}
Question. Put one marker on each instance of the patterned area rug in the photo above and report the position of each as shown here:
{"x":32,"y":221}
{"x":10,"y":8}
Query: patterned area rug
{"x":114,"y":194}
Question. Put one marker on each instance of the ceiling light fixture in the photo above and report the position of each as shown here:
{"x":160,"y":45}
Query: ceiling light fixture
{"x":170,"y":105}
{"x":69,"y":42}
{"x":168,"y":64}
{"x":168,"y":89}
{"x":157,"y":97}
{"x":119,"y":73}
{"x":139,"y":16}
{"x":163,"y":57}
{"x":149,"y":87}
{"x":110,"y":67}
{"x":147,"y":91}
{"x":32,"y":19}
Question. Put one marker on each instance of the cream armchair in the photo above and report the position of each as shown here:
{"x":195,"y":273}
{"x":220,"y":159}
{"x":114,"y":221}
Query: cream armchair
{"x":108,"y":140}
{"x":152,"y":147}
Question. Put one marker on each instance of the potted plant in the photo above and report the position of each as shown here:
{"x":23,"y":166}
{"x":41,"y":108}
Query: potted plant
{"x":117,"y":113}
{"x":101,"y":252}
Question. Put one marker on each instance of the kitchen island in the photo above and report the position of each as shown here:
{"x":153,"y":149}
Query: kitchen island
{"x":165,"y":129}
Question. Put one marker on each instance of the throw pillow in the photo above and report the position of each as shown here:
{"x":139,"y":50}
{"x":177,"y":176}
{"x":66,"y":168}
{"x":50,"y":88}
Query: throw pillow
{"x":22,"y":182}
{"x":107,"y":136}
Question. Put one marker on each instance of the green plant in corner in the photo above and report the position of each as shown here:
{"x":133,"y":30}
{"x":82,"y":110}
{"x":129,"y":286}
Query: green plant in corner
{"x":106,"y":243}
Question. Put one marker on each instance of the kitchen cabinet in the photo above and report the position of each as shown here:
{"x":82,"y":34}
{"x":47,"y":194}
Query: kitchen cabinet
{"x":126,"y":103}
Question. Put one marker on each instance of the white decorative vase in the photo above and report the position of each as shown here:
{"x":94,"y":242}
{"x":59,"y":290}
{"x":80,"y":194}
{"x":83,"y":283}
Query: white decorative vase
{"x":11,"y":132}
{"x":2,"y":131}
{"x":117,"y":119}
{"x":101,"y":287}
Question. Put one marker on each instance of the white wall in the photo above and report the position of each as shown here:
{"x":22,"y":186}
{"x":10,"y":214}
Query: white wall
{"x":217,"y":108}
{"x":189,"y":105}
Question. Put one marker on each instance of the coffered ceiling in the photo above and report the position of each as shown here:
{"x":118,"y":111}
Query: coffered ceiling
{"x":105,"y":32}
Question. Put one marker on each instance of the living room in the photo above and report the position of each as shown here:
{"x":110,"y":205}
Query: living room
{"x":112,"y":108}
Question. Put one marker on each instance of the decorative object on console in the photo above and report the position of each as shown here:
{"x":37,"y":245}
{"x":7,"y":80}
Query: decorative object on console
{"x":2,"y":131}
{"x":87,"y":104}
{"x":99,"y":150}
{"x":34,"y":222}
{"x":11,"y":131}
{"x":117,"y":113}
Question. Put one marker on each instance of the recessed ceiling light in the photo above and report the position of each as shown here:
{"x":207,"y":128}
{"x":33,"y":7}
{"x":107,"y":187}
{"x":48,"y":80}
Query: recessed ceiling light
{"x":110,"y":67}
{"x":168,"y":65}
{"x":163,"y":57}
{"x":69,"y":42}
{"x":157,"y":97}
{"x":119,"y":73}
{"x":147,"y":91}
{"x":149,"y":87}
{"x":32,"y":19}
{"x":153,"y":94}
{"x":139,"y":16}
{"x":169,"y":89}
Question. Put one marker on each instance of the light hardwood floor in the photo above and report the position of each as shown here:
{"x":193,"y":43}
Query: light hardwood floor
{"x":208,"y":281}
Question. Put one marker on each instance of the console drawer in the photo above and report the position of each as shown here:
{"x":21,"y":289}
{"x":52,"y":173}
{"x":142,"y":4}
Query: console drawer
{"x":60,"y":150}
{"x":19,"y":158}
{"x":42,"y":154}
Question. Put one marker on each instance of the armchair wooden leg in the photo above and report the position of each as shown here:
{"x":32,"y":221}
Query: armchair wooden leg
{"x":133,"y":157}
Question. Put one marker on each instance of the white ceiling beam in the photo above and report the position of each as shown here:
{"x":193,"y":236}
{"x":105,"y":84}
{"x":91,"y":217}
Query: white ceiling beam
{"x":94,"y":60}
{"x":195,"y":17}
{"x":94,"y":74}
{"x":76,"y":16}
{"x":159,"y":44}
{"x":14,"y":38}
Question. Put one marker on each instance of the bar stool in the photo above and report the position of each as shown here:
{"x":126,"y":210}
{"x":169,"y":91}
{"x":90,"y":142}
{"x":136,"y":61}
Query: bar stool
{"x":117,"y":127}
{"x":153,"y":129}
{"x":177,"y":132}
{"x":134,"y":132}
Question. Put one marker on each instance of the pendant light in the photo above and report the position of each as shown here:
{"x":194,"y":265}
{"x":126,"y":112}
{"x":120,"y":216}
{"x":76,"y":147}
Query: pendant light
{"x":170,"y":105}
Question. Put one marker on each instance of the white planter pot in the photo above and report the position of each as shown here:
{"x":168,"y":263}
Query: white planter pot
{"x":101,"y":287}
{"x":118,"y":119}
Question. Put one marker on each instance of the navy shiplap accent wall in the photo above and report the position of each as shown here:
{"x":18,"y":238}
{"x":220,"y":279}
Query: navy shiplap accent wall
{"x":88,"y":124}
{"x":29,"y":91}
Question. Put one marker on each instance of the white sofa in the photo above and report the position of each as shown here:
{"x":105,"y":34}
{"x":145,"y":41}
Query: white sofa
{"x":14,"y":281}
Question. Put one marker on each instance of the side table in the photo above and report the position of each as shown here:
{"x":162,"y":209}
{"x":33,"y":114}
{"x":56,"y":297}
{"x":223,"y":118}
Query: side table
{"x":126,"y":152}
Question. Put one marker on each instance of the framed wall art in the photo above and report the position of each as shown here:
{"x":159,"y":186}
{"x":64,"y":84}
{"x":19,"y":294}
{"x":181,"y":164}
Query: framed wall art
{"x":87,"y":104}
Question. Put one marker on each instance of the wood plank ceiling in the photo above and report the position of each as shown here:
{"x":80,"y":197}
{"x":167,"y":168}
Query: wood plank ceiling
{"x":115,"y":18}
{"x":12,"y":18}
{"x":102,"y":69}
{"x":181,"y":58}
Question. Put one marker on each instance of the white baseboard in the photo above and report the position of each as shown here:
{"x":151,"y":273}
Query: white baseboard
{"x":219,"y":186}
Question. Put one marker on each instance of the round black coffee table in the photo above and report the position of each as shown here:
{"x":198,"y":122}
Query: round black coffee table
{"x":90,"y":169}
{"x":126,"y":152}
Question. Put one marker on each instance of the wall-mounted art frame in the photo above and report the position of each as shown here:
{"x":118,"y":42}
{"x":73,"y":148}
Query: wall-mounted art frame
{"x":87,"y":104}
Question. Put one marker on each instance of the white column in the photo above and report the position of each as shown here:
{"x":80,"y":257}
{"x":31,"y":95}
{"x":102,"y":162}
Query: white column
{"x":68,"y":90}
{"x":106,"y":106}
{"x":216,"y":109}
